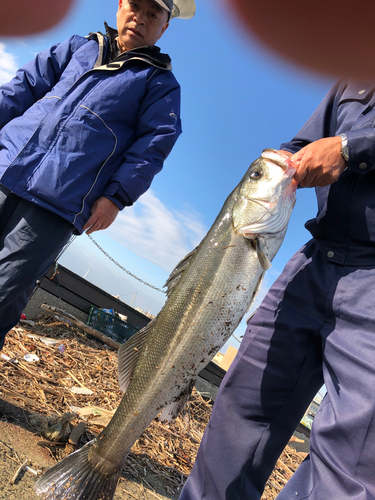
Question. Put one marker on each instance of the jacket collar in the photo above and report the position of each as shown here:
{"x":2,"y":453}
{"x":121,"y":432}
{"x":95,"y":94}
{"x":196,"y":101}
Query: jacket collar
{"x":149,"y":54}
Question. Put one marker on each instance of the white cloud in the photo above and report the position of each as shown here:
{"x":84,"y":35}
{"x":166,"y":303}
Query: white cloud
{"x":8,"y":66}
{"x":153,"y":232}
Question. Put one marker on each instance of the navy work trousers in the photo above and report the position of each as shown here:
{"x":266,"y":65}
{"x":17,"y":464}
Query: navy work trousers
{"x":30,"y":240}
{"x":317,"y":323}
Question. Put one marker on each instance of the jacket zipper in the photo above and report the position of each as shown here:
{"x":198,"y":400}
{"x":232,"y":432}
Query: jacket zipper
{"x":101,"y":168}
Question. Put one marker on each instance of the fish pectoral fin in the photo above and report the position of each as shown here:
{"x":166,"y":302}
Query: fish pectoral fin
{"x":128,"y":356}
{"x":172,"y":410}
{"x":262,"y":257}
{"x":179,"y":271}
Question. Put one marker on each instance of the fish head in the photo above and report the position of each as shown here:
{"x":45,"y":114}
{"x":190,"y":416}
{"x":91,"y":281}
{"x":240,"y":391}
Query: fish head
{"x":267,"y":195}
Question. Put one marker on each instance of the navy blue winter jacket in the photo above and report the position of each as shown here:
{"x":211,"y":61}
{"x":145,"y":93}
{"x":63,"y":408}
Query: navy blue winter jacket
{"x":75,"y":126}
{"x":344,"y":227}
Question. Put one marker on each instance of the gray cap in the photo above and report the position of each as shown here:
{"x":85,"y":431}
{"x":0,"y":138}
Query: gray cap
{"x":184,"y":9}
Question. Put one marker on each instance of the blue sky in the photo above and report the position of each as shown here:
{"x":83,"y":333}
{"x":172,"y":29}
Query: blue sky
{"x":237,"y":99}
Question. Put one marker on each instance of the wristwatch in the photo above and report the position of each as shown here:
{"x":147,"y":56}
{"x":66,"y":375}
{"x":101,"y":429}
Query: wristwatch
{"x":344,"y":147}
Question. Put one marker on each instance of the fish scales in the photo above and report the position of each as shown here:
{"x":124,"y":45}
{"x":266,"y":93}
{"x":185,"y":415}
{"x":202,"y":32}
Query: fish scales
{"x":206,"y":307}
{"x":208,"y":294}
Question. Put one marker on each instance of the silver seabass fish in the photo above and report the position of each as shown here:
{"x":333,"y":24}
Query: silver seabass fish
{"x":208,"y":294}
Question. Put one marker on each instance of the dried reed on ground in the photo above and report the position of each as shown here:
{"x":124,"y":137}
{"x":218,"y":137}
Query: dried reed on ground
{"x":75,"y":380}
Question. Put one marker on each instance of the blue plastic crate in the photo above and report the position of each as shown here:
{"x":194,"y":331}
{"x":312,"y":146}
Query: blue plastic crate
{"x":113,"y":327}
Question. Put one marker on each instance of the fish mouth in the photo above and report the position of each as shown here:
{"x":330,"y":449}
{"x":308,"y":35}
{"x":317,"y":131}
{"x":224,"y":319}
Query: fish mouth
{"x":276,"y":157}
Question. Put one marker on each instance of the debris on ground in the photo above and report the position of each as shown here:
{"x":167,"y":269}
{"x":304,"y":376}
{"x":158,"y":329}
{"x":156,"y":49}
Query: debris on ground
{"x":70,"y":394}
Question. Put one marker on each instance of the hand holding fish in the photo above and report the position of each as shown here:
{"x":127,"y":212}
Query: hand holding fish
{"x":319,"y":163}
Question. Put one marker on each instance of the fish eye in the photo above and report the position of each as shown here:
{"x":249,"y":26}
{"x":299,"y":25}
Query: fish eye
{"x":255,"y":175}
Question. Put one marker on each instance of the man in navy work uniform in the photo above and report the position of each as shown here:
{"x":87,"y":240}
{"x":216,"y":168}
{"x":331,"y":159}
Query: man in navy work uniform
{"x":316,"y":325}
{"x":83,"y":130}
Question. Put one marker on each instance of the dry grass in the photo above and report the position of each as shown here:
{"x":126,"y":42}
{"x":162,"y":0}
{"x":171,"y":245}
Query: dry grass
{"x":44,"y":388}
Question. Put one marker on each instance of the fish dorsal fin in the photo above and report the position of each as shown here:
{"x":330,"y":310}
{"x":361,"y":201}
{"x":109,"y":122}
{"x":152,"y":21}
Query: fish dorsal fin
{"x":128,"y":356}
{"x":262,"y":257}
{"x":179,"y":271}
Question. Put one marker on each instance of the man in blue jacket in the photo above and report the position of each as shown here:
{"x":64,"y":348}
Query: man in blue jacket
{"x":84,"y":128}
{"x":316,"y":325}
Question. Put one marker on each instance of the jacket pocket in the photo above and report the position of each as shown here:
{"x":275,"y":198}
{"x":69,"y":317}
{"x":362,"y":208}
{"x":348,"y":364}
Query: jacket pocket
{"x":356,"y":106}
{"x":357,"y":92}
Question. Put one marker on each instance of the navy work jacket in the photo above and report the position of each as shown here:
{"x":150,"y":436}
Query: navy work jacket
{"x":344,"y":227}
{"x":75,"y":126}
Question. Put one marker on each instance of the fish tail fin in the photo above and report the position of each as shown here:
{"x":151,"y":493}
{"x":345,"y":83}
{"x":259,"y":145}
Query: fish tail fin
{"x":75,"y":477}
